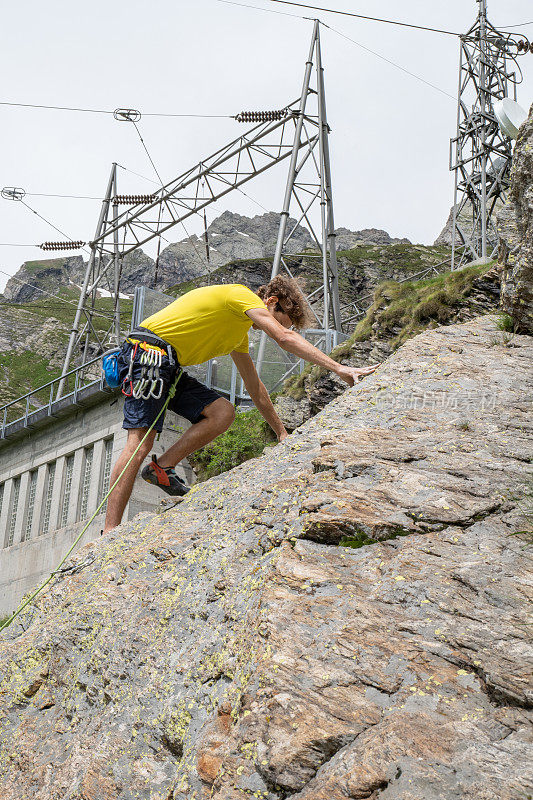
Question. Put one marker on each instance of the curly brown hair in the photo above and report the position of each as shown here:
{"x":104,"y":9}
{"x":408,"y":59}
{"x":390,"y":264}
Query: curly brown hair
{"x":291,"y":299}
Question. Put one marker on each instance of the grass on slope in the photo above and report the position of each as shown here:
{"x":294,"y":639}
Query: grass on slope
{"x":20,"y":373}
{"x":402,"y":310}
{"x":411,"y":307}
{"x":247,"y":438}
{"x":52,"y":307}
{"x":408,"y":258}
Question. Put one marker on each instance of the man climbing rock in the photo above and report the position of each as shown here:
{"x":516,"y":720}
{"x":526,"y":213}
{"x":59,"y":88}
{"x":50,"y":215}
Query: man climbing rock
{"x":200,"y":325}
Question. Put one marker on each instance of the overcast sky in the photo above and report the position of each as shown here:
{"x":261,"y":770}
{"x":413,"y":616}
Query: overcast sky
{"x":390,"y":132}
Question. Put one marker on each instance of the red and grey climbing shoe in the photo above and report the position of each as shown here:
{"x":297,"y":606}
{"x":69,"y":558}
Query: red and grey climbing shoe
{"x":165,"y":478}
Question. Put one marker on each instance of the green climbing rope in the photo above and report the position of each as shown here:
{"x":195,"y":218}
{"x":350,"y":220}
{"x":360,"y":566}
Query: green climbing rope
{"x":14,"y":615}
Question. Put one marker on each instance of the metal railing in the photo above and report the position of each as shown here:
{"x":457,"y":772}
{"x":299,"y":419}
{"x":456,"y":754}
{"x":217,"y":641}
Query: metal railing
{"x":80,"y":380}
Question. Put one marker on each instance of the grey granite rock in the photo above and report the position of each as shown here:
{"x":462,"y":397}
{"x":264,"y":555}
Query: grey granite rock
{"x":347,"y":239}
{"x":36,"y":279}
{"x":516,"y":228}
{"x":231,"y":649}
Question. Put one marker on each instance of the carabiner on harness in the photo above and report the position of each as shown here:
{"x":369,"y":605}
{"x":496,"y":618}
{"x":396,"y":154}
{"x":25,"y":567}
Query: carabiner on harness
{"x":127,"y":383}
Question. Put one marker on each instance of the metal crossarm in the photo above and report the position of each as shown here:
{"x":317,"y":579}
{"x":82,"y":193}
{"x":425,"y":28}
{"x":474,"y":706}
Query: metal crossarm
{"x":227,"y":169}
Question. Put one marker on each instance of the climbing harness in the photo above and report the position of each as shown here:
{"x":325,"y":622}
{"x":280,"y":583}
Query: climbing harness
{"x":150,"y":384}
{"x":9,"y":620}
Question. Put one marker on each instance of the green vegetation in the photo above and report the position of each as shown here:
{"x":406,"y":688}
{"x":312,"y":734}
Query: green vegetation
{"x":360,"y":539}
{"x":22,"y":372}
{"x":400,"y":259}
{"x":401,"y":311}
{"x":406,"y":309}
{"x":505,"y":323}
{"x":48,"y":263}
{"x":53,"y":307}
{"x":247,"y":438}
{"x":356,"y":542}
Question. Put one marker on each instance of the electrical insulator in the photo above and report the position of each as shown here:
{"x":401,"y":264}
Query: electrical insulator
{"x":127,"y":114}
{"x":133,"y":199}
{"x":521,"y":45}
{"x":262,"y":116}
{"x":13,"y":193}
{"x":62,"y":245}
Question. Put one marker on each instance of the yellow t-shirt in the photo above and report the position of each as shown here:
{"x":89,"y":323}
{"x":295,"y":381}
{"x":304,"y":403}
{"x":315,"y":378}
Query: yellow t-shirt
{"x":207,"y":322}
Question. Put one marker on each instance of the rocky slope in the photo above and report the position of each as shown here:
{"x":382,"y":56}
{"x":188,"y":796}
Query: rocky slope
{"x":34,"y":278}
{"x":232,"y":648}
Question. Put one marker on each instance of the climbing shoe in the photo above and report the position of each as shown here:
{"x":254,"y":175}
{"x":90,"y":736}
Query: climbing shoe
{"x":165,"y":478}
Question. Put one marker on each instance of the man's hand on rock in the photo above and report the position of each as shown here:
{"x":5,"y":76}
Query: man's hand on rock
{"x":352,"y":375}
{"x":282,"y":435}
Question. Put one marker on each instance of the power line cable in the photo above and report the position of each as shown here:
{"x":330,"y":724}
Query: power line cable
{"x":55,"y":108}
{"x":200,"y":257}
{"x":69,"y":196}
{"x":520,"y":25}
{"x":370,"y":19}
{"x":260,"y":8}
{"x":368,"y":49}
{"x":249,"y":196}
{"x":49,"y":223}
{"x":106,"y":111}
{"x":148,"y":154}
{"x":138,"y":174}
{"x":394,"y":64}
{"x":46,"y":220}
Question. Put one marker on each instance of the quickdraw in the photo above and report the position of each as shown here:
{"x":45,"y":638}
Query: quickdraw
{"x":150,"y":384}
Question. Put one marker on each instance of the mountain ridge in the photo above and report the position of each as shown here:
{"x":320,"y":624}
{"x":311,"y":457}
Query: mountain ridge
{"x":231,"y":237}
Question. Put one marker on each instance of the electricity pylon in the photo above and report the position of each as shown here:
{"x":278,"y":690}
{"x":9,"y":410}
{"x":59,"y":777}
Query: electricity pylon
{"x":298,"y":132}
{"x":102,"y":272}
{"x":480,"y":154}
{"x":306,"y":188}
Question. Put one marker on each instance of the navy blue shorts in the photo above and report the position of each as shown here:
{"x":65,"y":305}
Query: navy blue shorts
{"x":189,"y":401}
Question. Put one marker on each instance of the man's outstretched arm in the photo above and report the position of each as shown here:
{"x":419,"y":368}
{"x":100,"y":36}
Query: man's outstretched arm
{"x":292,"y":342}
{"x":257,"y":391}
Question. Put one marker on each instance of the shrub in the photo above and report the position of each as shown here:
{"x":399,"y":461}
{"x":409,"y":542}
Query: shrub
{"x":505,"y":323}
{"x":247,"y":438}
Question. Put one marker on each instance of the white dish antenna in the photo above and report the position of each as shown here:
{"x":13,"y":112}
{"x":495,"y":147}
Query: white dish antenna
{"x":510,"y":115}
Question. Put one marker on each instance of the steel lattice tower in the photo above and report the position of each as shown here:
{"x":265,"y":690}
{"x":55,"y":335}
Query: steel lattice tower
{"x":299,"y":134}
{"x":480,"y":154}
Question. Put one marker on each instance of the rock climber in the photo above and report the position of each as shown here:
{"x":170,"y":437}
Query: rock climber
{"x":203,"y":324}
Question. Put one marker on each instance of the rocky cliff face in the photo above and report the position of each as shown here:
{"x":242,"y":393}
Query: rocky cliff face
{"x":46,"y":275}
{"x":516,"y":228}
{"x":239,"y":647}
